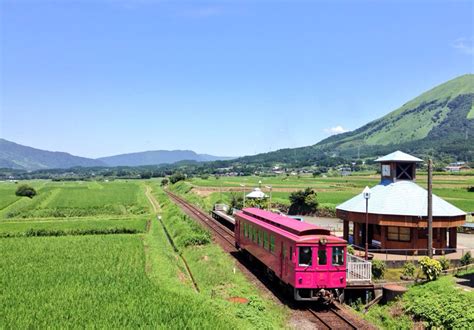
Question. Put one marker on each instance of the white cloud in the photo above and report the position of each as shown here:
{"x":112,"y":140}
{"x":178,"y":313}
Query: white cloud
{"x":464,"y":45}
{"x":336,"y":130}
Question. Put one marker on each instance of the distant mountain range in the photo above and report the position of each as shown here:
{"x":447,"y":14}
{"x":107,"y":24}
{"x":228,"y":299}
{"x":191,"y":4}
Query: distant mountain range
{"x":17,"y":156}
{"x":438,"y":123}
{"x":158,"y":157}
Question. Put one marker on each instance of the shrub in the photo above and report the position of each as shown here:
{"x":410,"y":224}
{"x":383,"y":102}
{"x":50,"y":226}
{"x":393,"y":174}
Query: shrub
{"x":466,"y":259}
{"x":430,"y":267}
{"x":470,"y":189}
{"x":25,"y":190}
{"x":178,"y":176}
{"x":409,"y":270}
{"x":164,"y":182}
{"x":350,"y":249}
{"x":303,"y":202}
{"x":378,"y":269}
{"x":444,"y":263}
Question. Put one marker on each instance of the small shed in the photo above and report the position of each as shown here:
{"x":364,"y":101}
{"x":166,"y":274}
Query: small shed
{"x":398,"y":211}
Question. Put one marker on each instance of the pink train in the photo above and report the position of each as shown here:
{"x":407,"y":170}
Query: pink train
{"x":307,"y":259}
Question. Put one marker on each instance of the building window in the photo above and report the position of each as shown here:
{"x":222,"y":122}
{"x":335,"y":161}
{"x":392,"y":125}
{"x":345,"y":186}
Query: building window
{"x":402,"y":234}
{"x":338,"y":255}
{"x":305,"y":256}
{"x":322,"y":257}
{"x":404,"y":171}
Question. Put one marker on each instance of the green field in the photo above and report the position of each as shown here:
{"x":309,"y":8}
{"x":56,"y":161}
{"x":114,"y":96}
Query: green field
{"x":331,"y":191}
{"x":91,"y":254}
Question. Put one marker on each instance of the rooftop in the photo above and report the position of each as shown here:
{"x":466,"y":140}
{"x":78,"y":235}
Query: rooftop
{"x":398,"y":156}
{"x":400,"y":198}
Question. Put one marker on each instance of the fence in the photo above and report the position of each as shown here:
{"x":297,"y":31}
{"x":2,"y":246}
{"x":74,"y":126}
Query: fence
{"x":358,"y":270}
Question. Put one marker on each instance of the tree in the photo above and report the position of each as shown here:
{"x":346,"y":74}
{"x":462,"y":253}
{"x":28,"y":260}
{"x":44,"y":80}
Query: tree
{"x":178,"y":176}
{"x":236,"y":202}
{"x":25,"y":190}
{"x":145,"y":175}
{"x":303,"y":202}
{"x":164,"y":182}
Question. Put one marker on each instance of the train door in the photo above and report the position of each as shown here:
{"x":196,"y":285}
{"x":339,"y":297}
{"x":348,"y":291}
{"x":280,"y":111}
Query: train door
{"x":283,"y":260}
{"x":322,"y":265}
{"x":237,"y":230}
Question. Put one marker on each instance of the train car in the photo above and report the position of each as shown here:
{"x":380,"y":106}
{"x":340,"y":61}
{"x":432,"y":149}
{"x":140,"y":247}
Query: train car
{"x":307,"y":259}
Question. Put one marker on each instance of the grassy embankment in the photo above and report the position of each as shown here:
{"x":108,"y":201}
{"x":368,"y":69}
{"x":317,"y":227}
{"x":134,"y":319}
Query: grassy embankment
{"x":440,"y":304}
{"x":117,"y":280}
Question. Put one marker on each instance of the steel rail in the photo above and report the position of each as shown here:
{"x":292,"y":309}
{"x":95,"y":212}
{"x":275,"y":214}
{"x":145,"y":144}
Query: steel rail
{"x":326,"y":317}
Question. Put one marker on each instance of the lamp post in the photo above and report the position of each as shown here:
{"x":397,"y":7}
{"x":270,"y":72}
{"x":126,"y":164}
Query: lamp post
{"x":366,"y":193}
{"x":242,"y":185}
{"x":270,"y":203}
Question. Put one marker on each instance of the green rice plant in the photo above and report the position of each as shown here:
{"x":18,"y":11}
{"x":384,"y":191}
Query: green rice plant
{"x":96,"y":282}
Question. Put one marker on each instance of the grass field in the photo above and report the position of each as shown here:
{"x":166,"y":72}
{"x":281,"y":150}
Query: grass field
{"x":75,"y":199}
{"x":59,"y":269}
{"x":331,"y":191}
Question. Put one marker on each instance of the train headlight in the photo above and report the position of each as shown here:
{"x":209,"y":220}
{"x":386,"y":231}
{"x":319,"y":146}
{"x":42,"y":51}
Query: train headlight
{"x":323,"y":241}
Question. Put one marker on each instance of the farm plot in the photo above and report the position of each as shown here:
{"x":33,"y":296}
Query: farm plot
{"x":94,"y":281}
{"x":81,"y":199}
{"x":82,"y":226}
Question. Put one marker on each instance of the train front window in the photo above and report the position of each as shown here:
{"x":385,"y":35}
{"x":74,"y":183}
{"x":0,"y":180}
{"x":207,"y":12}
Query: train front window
{"x":305,"y":256}
{"x":338,"y":256}
{"x":322,"y":258}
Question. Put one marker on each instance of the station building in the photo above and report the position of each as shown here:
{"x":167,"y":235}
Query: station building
{"x":398,"y":211}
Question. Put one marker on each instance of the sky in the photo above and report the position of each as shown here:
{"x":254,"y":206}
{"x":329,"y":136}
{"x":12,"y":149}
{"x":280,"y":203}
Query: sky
{"x":229,"y":78}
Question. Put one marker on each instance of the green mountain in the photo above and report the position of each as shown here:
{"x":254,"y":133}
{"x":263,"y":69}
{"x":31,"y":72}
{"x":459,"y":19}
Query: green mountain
{"x":16,"y":156}
{"x":156,"y":157}
{"x":438,"y":123}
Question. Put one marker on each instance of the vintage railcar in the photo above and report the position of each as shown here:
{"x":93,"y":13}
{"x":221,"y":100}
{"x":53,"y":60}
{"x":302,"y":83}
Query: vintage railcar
{"x":307,"y":259}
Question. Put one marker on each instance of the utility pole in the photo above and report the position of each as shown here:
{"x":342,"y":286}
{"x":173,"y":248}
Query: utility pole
{"x":430,"y":208}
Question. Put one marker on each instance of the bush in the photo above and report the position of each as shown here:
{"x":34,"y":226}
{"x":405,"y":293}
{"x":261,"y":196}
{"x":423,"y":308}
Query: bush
{"x":409,"y":270}
{"x":25,"y":191}
{"x":350,"y":249}
{"x":303,"y":202}
{"x":466,"y":259}
{"x":378,"y":269}
{"x":164,"y":182}
{"x":444,"y":263}
{"x":470,"y":189}
{"x":178,"y":176}
{"x":430,"y":267}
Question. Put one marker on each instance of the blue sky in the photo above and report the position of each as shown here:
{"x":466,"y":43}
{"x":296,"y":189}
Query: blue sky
{"x":97,"y":78}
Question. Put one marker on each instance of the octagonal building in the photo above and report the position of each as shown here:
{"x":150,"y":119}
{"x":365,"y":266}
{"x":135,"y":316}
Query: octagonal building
{"x":398,"y":211}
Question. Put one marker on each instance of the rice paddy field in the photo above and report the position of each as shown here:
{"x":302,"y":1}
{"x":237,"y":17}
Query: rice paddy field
{"x":331,"y":191}
{"x":92,"y":254}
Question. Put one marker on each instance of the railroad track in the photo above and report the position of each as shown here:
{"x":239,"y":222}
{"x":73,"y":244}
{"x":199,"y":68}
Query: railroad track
{"x":331,"y":318}
{"x":224,"y":233}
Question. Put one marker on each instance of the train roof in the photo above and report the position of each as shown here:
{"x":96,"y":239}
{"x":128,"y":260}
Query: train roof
{"x":296,"y":230}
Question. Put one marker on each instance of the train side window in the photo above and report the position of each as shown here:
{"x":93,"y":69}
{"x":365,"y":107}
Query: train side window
{"x":259,"y":236}
{"x":322,"y":258}
{"x":305,"y":256}
{"x":338,"y":255}
{"x":265,"y":240}
{"x":272,"y":243}
{"x":291,"y":253}
{"x":284,"y":250}
{"x":254,"y":234}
